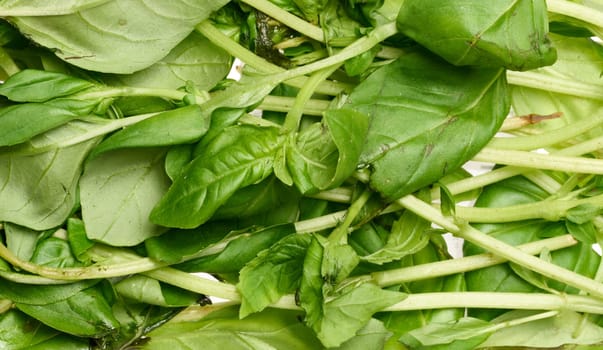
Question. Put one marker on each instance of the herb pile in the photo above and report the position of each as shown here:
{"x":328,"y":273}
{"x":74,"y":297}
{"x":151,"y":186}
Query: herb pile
{"x":317,"y":189}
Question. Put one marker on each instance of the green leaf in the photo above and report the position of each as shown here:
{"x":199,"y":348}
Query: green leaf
{"x":40,"y":294}
{"x":509,"y":33}
{"x":407,"y":236}
{"x":433,"y":127}
{"x":21,"y":241}
{"x":54,"y":252}
{"x":470,"y":331}
{"x":275,"y":272}
{"x":238,"y":157}
{"x":43,"y":8}
{"x":327,"y":153}
{"x":177,"y":126}
{"x":371,"y":337}
{"x":239,"y":249}
{"x":118,"y":191}
{"x":118,"y":37}
{"x":39,"y":191}
{"x":20,"y":332}
{"x":30,"y":85}
{"x":86,"y":314}
{"x":150,"y":291}
{"x":194,"y":59}
{"x":222,"y":329}
{"x":337,"y":312}
{"x":78,"y":240}
{"x":24,"y":121}
{"x":566,"y":328}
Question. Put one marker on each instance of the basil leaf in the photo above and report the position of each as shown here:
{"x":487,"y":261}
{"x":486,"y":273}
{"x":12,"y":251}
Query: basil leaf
{"x":118,"y":191}
{"x":510,"y":33}
{"x":43,"y":8}
{"x":465,"y":333}
{"x":40,"y":294}
{"x":177,"y":126}
{"x":27,"y":333}
{"x":39,"y":191}
{"x":118,"y":36}
{"x":275,"y":272}
{"x":222,"y":329}
{"x":326,"y":154}
{"x":24,"y":121}
{"x":238,"y":157}
{"x":78,"y":240}
{"x":150,"y":291}
{"x":426,"y":119}
{"x":86,"y":314}
{"x":30,"y":85}
{"x":54,"y":252}
{"x":21,"y":241}
{"x":194,"y":59}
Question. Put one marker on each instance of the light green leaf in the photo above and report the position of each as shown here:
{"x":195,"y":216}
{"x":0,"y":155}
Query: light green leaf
{"x":32,"y":85}
{"x":240,"y":156}
{"x":39,"y":191}
{"x":121,"y":36}
{"x":194,"y":59}
{"x":20,"y":240}
{"x":466,"y":332}
{"x":509,"y":33}
{"x":275,"y":272}
{"x":54,"y":252}
{"x":118,"y":190}
{"x":44,"y":8}
{"x":147,"y":290}
{"x":371,"y":337}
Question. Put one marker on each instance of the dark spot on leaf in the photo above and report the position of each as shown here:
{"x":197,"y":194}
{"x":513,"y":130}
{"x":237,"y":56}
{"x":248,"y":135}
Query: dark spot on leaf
{"x":122,"y":22}
{"x":428,"y":149}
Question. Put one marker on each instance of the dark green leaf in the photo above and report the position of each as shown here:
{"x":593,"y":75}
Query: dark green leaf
{"x":509,"y":33}
{"x":40,"y":294}
{"x":585,"y":232}
{"x":426,"y":119}
{"x":178,"y":126}
{"x":78,"y":240}
{"x":239,"y":250}
{"x":21,"y":122}
{"x":582,"y":214}
{"x":86,"y":313}
{"x":118,"y":190}
{"x":20,"y":332}
{"x":31,"y":85}
{"x":54,"y":252}
{"x":177,"y":158}
{"x":238,"y":157}
{"x":275,"y":272}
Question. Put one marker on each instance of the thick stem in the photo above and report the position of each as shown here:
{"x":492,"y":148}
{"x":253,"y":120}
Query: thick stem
{"x":551,"y":210}
{"x":576,"y":10}
{"x":290,"y":20}
{"x":5,"y":305}
{"x":7,"y":64}
{"x":136,"y":91}
{"x":340,"y":234}
{"x":502,"y":249}
{"x":194,"y":283}
{"x":284,"y":104}
{"x":549,"y":83}
{"x":541,"y":161}
{"x":460,"y":265}
{"x":497,"y":300}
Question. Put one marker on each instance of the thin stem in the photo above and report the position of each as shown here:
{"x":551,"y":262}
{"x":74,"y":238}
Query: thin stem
{"x":527,"y":143}
{"x":5,"y":305}
{"x":7,"y":64}
{"x":340,"y":234}
{"x":577,"y":11}
{"x":258,"y":63}
{"x":30,"y":279}
{"x":296,"y":112}
{"x":465,"y":264}
{"x":502,"y":249}
{"x":194,"y":283}
{"x":136,"y":91}
{"x":541,"y":161}
{"x":290,"y":20}
{"x":522,"y":301}
{"x":549,"y":83}
{"x":550,"y":210}
{"x":320,"y":223}
{"x":284,"y":104}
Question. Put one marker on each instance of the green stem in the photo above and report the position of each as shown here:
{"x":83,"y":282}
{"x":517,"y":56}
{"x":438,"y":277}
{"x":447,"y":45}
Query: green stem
{"x":497,"y":300}
{"x":296,"y":112}
{"x":194,"y":283}
{"x":502,"y":249}
{"x":7,"y":64}
{"x":287,"y":18}
{"x":5,"y":305}
{"x":576,"y":10}
{"x":527,"y":143}
{"x":236,"y":50}
{"x":284,"y":104}
{"x":30,"y":279}
{"x":541,"y":161}
{"x":465,"y":264}
{"x":136,"y":91}
{"x":550,"y":210}
{"x":340,"y":234}
{"x":550,"y":83}
{"x":320,"y":223}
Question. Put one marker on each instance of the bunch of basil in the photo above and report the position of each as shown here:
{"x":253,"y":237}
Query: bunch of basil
{"x":129,"y":162}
